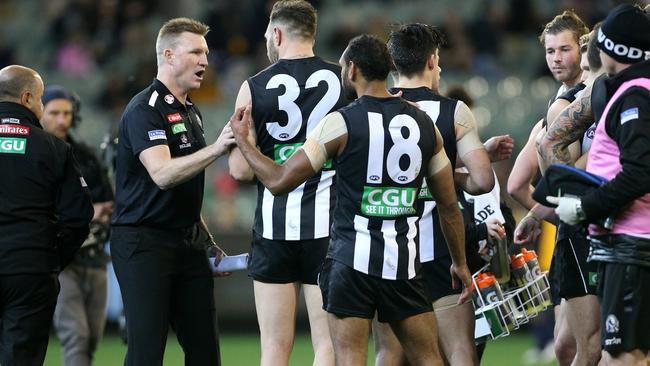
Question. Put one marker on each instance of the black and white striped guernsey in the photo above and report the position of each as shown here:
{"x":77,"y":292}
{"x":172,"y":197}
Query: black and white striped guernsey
{"x":442,"y":111}
{"x":289,"y":98}
{"x":379,"y":173}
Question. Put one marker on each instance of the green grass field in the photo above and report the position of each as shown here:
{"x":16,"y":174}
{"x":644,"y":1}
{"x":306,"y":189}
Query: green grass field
{"x":243,"y":350}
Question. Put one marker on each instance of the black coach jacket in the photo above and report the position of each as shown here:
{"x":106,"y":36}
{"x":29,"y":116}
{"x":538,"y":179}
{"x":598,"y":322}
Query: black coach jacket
{"x":45,"y":205}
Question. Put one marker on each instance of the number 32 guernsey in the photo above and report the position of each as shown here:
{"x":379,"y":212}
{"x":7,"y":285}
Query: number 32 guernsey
{"x":289,"y":98}
{"x":380,"y":172}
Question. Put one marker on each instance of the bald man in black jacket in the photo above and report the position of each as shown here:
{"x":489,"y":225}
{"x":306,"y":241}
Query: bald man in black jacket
{"x":44,"y":217}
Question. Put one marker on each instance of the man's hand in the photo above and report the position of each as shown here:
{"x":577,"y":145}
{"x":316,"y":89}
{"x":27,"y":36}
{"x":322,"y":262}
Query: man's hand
{"x":218,"y":253}
{"x":499,"y":147}
{"x":528,"y":230}
{"x":495,"y":229}
{"x":240,"y":123}
{"x":225,"y":141}
{"x":460,"y":275}
{"x":569,"y":209}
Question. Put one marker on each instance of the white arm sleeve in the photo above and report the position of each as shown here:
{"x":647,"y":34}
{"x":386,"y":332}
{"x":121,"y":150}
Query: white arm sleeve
{"x":438,"y":162}
{"x":329,"y":128}
{"x":469,"y":139}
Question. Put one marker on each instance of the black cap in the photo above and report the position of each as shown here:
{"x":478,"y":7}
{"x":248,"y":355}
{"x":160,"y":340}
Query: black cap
{"x":56,"y":92}
{"x":625,"y":34}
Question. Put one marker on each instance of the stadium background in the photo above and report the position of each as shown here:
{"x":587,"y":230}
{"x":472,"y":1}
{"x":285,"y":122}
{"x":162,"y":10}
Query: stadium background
{"x":104,"y":51}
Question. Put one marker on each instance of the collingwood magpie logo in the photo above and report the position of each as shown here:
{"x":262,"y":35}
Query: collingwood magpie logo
{"x":618,"y":48}
{"x":611,"y":324}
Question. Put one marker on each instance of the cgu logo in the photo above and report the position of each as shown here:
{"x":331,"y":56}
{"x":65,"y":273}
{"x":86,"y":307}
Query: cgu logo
{"x":286,"y":151}
{"x":282,"y":152}
{"x":619,"y":49}
{"x":12,"y":145}
{"x":392,"y":197}
{"x":374,"y":177}
{"x":284,"y":136}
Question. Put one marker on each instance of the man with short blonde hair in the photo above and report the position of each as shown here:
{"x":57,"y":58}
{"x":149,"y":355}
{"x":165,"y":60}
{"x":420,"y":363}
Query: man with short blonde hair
{"x":169,"y":34}
{"x":159,"y":239}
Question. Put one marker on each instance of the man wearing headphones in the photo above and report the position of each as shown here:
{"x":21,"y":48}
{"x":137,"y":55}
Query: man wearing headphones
{"x":80,"y":312}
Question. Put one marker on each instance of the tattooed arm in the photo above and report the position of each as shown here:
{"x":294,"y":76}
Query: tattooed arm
{"x":568,"y":127}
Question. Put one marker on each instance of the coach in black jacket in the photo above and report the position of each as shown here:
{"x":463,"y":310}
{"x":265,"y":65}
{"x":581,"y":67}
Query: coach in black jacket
{"x":45,"y":210}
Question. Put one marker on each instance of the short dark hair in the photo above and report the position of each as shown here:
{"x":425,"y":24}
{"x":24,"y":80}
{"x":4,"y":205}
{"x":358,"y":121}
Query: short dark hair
{"x":593,"y":52}
{"x":568,"y":20}
{"x":370,"y":55}
{"x":298,"y":15}
{"x":411,"y":45}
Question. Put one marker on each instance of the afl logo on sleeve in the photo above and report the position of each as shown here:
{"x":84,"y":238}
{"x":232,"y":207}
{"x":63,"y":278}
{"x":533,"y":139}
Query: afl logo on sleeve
{"x":629,"y":115}
{"x":157,"y":135}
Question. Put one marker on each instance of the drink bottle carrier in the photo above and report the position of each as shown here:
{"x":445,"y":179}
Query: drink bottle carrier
{"x":501,"y":317}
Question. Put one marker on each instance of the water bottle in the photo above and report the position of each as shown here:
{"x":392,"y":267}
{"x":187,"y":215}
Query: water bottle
{"x":492,"y":294}
{"x":521,"y":276}
{"x":500,"y":261}
{"x":533,"y":265}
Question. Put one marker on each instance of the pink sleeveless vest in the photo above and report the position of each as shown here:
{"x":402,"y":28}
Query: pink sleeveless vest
{"x":604,"y":160}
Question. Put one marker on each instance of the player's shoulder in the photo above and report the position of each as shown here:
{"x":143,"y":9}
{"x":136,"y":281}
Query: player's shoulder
{"x":295,"y":66}
{"x":636,"y":96}
{"x":573,"y":93}
{"x":329,"y":64}
{"x":355,"y":104}
{"x":421,"y":93}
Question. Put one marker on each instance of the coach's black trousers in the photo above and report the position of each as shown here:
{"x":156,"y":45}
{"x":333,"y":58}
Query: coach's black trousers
{"x":27,"y":304}
{"x":165,"y":282}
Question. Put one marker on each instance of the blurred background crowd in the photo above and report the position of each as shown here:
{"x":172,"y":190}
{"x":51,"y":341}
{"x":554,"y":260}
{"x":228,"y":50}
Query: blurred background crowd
{"x":104,"y":51}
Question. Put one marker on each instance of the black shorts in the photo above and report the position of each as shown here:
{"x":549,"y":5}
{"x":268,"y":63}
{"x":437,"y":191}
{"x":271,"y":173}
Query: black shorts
{"x":279,"y":261}
{"x":571,"y":275}
{"x":437,"y":279}
{"x":624,"y":294}
{"x":350,"y":293}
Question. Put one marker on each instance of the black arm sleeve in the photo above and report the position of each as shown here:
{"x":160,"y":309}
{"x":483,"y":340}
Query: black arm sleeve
{"x":633,"y":140}
{"x":74,"y":211}
{"x":473,"y":234}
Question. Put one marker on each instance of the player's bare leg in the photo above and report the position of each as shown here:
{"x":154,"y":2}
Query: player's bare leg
{"x":276,"y":314}
{"x":585,"y":329}
{"x":456,"y":333}
{"x":320,"y":334}
{"x":419,"y":339}
{"x":388,"y":350}
{"x":563,"y":341}
{"x":350,"y":339}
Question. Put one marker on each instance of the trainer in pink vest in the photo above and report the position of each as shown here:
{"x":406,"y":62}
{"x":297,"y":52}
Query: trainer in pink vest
{"x":604,"y":160}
